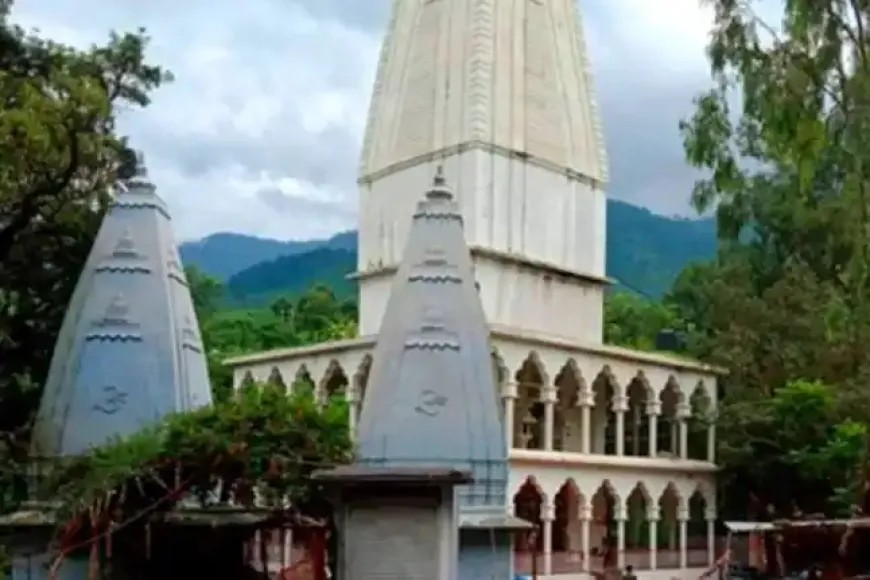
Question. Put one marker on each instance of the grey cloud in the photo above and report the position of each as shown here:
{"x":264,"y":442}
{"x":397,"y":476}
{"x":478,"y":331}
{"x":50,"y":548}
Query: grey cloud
{"x":285,"y":203}
{"x":369,"y":15}
{"x":267,"y":58}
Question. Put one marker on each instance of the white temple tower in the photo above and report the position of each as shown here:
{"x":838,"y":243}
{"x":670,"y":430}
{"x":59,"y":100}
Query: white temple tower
{"x":609,"y":449}
{"x":500,"y":94}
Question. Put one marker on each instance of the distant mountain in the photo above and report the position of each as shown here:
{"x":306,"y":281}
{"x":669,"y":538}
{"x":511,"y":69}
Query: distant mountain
{"x":294,"y":274}
{"x":224,"y":254}
{"x":645,"y":253}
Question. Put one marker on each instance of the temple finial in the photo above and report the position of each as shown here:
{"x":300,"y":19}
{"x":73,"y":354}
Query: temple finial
{"x":439,"y":189}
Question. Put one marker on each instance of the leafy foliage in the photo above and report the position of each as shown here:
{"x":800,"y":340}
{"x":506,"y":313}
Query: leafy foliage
{"x":61,"y":158}
{"x":264,"y":441}
{"x":784,"y":307}
{"x":801,"y":441}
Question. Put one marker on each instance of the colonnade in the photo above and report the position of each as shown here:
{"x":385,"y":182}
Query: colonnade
{"x":609,"y":531}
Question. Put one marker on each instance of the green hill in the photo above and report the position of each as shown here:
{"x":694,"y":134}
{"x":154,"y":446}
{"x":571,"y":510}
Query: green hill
{"x":645,"y":254}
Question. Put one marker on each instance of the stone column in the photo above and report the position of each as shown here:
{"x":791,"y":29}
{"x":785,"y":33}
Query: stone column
{"x":509,"y":397}
{"x":711,"y":440}
{"x":547,"y":519}
{"x":653,"y":410}
{"x":683,"y":414}
{"x":710,"y":516}
{"x":653,"y":516}
{"x":620,"y":406}
{"x":586,"y":402}
{"x":620,"y":517}
{"x":353,"y":409}
{"x":683,"y":520}
{"x":548,"y":397}
{"x":585,"y":524}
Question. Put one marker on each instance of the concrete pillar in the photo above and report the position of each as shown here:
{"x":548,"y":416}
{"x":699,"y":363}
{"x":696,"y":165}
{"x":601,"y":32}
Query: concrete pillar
{"x":683,"y":414}
{"x":711,"y":442}
{"x":710,"y":516}
{"x":585,"y":524}
{"x":354,"y":407}
{"x":620,"y":517}
{"x":653,"y":410}
{"x":548,"y":398}
{"x":683,"y":519}
{"x":509,"y":396}
{"x":620,"y":406}
{"x":586,"y":402}
{"x":547,"y":519}
{"x":653,"y":517}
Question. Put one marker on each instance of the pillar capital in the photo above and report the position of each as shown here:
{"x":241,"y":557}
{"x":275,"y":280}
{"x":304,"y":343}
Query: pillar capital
{"x":684,"y":411}
{"x":710,"y":514}
{"x":549,"y":394}
{"x":619,"y":512}
{"x":548,"y":512}
{"x":586,"y":398}
{"x":509,"y":390}
{"x":654,"y":408}
{"x":584,"y":514}
{"x":682,"y":514}
{"x":619,"y":404}
{"x":653,"y":512}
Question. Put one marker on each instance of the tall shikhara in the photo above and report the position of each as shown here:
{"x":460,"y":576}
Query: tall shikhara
{"x":485,"y":73}
{"x":432,"y":399}
{"x":129,"y":351}
{"x":500,"y":94}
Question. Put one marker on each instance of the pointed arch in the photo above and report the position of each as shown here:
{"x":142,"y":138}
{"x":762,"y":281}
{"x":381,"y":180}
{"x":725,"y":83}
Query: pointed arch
{"x":334,"y":382}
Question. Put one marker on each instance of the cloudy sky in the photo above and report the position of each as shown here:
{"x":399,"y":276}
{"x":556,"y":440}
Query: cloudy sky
{"x":261,"y":130}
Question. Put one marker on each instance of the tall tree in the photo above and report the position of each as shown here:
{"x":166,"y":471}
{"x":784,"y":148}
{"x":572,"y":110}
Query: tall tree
{"x":61,"y":158}
{"x":782,"y":136}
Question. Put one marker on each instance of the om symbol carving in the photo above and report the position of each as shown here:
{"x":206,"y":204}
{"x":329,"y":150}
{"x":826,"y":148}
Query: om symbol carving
{"x":431,"y":403}
{"x":112,"y":400}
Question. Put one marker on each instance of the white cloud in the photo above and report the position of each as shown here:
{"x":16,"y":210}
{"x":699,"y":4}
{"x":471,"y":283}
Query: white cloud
{"x":260,"y":132}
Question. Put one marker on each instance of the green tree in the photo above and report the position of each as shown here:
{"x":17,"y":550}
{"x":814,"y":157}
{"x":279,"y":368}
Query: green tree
{"x":206,"y":291}
{"x":782,"y":137}
{"x":797,"y":447}
{"x":61,"y":158}
{"x":635,"y":322}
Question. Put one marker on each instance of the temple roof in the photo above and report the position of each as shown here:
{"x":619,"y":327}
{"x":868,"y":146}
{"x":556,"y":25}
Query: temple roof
{"x":129,"y":351}
{"x":495,"y":48}
{"x":431,"y":397}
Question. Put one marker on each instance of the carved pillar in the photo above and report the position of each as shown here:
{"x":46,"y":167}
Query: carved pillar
{"x":509,"y":397}
{"x":548,"y":398}
{"x":683,"y":414}
{"x":711,"y":440}
{"x":653,"y":516}
{"x":585,"y":525}
{"x":710,"y":516}
{"x":354,"y":399}
{"x":586,"y":402}
{"x":547,"y":519}
{"x":683,"y":520}
{"x":620,"y":406}
{"x":653,"y":410}
{"x":620,"y":517}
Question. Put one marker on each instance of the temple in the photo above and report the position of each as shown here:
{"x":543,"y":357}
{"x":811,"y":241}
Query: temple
{"x":610,"y":451}
{"x":128,"y":354}
{"x":129,"y":351}
{"x":433,"y":388}
{"x":432,"y":421}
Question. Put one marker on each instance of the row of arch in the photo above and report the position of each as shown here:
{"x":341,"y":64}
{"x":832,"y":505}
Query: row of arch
{"x":578,"y":533}
{"x":601,"y":416}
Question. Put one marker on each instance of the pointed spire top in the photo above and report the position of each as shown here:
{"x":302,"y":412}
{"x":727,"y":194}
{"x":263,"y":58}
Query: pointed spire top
{"x":439,"y":190}
{"x":124,"y":357}
{"x":431,"y":390}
